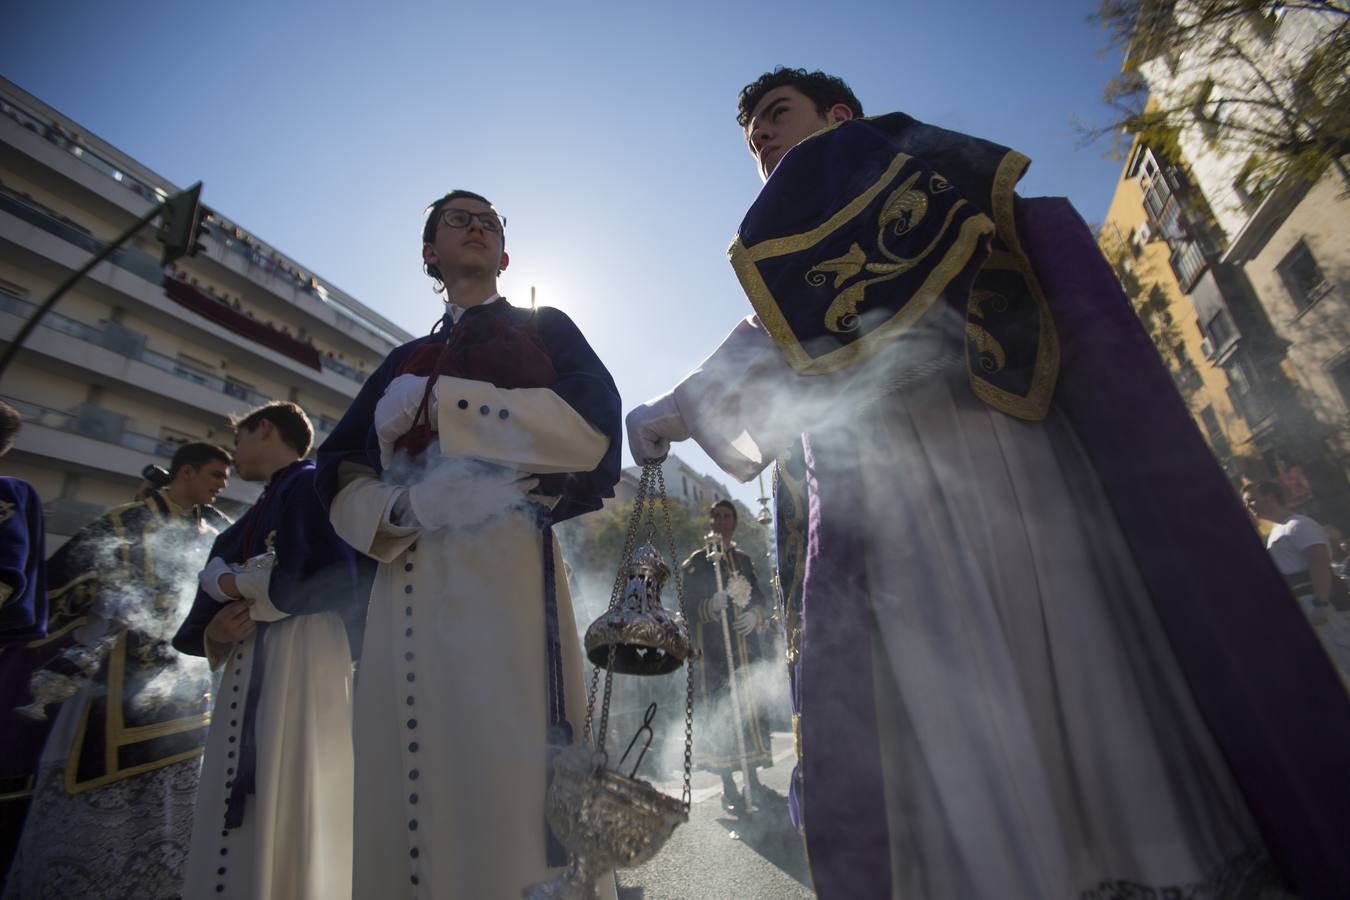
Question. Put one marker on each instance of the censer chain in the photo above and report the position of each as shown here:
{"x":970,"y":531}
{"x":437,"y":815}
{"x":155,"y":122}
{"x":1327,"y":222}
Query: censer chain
{"x":640,"y":503}
{"x":651,"y":488}
{"x":686,"y":794}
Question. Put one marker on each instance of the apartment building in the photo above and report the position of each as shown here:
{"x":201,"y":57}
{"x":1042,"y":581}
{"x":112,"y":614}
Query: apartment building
{"x":1254,"y":271}
{"x":1161,"y":261}
{"x":137,"y":359}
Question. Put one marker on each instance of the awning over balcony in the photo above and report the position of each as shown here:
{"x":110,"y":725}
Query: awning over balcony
{"x":222,"y":314}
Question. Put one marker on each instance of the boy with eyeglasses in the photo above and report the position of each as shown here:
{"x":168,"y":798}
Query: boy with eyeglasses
{"x":449,"y":469}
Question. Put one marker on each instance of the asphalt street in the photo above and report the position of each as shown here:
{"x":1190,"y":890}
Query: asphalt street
{"x":717,"y":856}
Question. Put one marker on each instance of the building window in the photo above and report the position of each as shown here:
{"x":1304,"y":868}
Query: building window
{"x":1246,"y":390}
{"x":1220,"y":329}
{"x":236,"y":388}
{"x":1217,"y":439}
{"x":1188,"y":263}
{"x":1340,"y":374}
{"x":1302,"y":277}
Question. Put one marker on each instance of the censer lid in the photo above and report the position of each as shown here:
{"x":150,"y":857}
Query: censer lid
{"x":647,"y":560}
{"x":643,"y":638}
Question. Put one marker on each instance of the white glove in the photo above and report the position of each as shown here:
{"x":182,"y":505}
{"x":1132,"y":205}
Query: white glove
{"x":746,"y":622}
{"x":717,"y":602}
{"x":210,"y":579}
{"x":462,"y":493}
{"x":254,"y":577}
{"x":652,"y":427}
{"x":396,"y":410}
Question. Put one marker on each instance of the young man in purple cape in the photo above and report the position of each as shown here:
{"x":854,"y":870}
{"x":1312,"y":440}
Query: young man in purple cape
{"x":273,"y":816}
{"x":449,"y":469}
{"x":1036,"y":649}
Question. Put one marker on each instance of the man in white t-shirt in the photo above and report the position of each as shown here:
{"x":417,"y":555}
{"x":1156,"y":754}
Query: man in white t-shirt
{"x":1302,"y":553}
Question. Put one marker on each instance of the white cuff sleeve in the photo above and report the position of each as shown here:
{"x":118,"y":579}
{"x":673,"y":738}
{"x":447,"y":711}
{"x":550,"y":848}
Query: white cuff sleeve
{"x":255,"y":583}
{"x":745,"y":405}
{"x":360,"y":516}
{"x":210,"y":579}
{"x":529,"y":429}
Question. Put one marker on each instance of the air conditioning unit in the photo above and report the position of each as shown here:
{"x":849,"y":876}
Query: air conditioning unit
{"x":1143,"y":234}
{"x":1207,"y":347}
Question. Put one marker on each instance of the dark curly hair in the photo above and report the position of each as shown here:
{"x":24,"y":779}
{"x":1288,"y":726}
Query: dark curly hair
{"x":433,"y":218}
{"x":735,"y":517}
{"x":197,"y":454}
{"x":824,"y":90}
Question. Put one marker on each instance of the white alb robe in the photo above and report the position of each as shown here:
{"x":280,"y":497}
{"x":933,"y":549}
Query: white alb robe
{"x":451,"y":711}
{"x":295,"y":842}
{"x":1038,"y":738}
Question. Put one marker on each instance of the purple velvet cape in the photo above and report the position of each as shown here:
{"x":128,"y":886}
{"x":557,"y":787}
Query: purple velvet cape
{"x":1262,"y":682}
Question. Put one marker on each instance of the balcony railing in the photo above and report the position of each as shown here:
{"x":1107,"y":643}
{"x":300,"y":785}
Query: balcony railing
{"x":119,"y":343}
{"x":133,"y":260}
{"x":81,"y":425}
{"x":60,"y":138}
{"x":1188,"y":262}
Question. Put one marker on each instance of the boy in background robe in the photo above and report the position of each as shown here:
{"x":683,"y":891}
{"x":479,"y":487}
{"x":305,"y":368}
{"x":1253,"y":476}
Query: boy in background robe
{"x":273,"y":818}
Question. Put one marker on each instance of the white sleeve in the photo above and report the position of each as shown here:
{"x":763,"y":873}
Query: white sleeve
{"x":360,"y":515}
{"x":210,"y":579}
{"x":529,"y":429}
{"x":1307,"y":533}
{"x":255,"y":584}
{"x":745,"y":404}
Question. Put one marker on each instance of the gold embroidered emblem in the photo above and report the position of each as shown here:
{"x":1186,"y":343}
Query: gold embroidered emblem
{"x":991,"y":355}
{"x":902,"y":212}
{"x":6,"y":510}
{"x":270,"y":539}
{"x":906,"y":207}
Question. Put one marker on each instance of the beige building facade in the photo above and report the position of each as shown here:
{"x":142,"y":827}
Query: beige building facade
{"x":137,"y":359}
{"x":1263,"y":261}
{"x":1154,"y":272}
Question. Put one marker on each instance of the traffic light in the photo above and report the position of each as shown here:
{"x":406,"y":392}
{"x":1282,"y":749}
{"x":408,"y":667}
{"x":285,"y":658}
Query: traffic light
{"x":180,"y":225}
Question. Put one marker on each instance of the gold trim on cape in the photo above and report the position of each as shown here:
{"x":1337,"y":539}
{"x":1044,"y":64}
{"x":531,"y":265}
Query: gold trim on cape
{"x":743,"y":261}
{"x":1036,"y":404}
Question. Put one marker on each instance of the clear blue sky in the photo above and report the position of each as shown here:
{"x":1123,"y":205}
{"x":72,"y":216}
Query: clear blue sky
{"x":605,"y":132}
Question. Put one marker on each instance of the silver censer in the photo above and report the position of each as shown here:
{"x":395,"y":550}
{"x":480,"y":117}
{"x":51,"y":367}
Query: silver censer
{"x":604,"y":818}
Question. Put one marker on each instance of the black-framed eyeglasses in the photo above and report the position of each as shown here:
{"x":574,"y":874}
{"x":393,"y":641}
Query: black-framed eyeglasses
{"x":460,"y":218}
